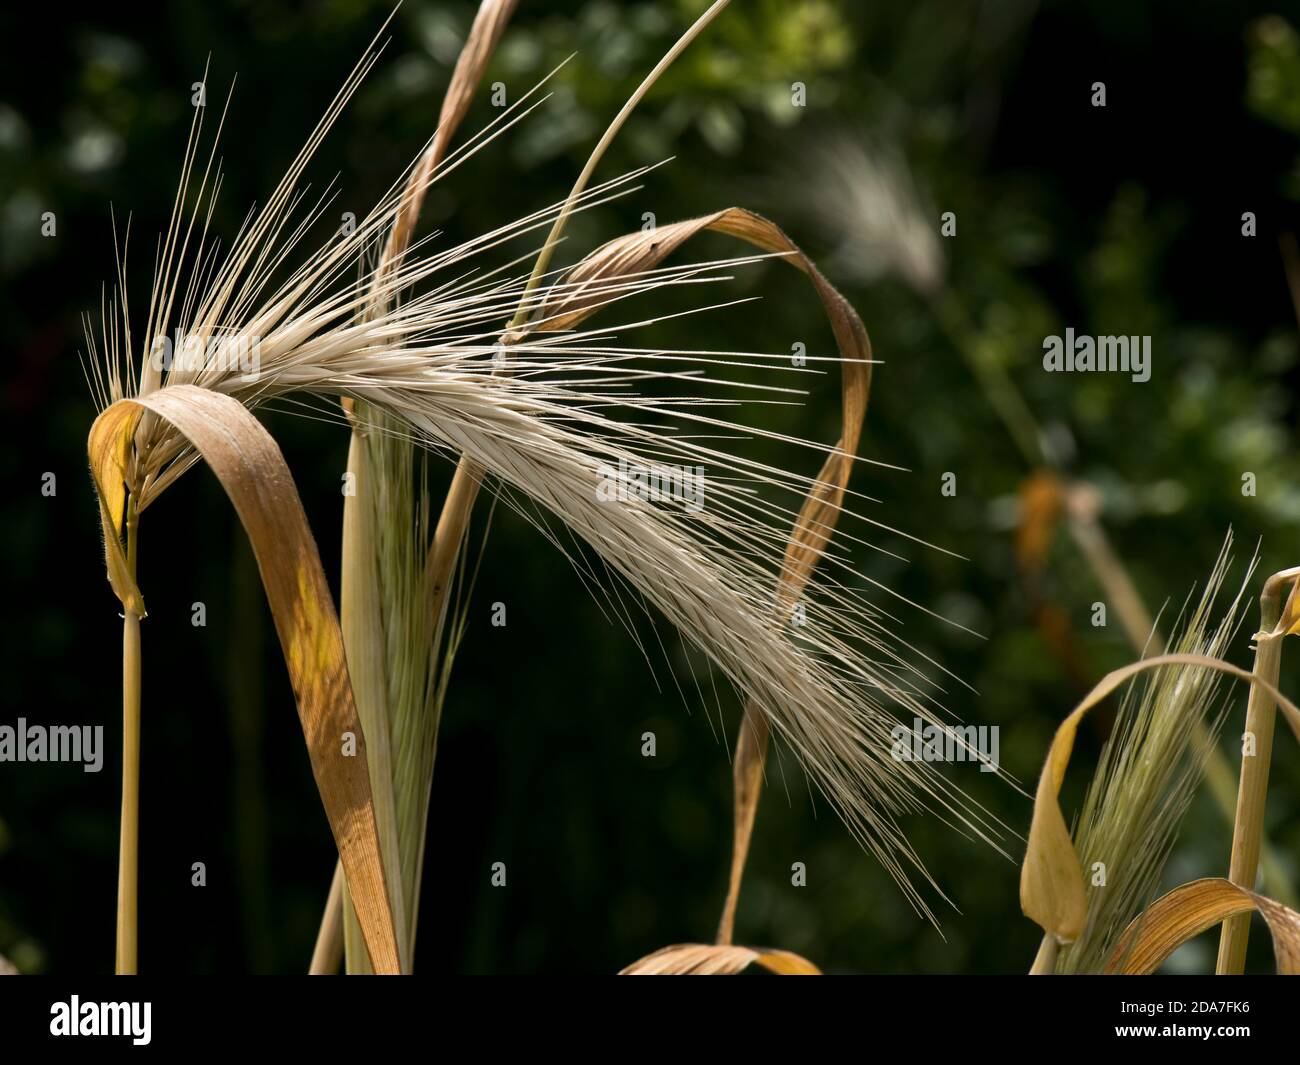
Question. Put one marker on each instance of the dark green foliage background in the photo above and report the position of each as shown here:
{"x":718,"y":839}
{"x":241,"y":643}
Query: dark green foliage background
{"x":1118,"y":220}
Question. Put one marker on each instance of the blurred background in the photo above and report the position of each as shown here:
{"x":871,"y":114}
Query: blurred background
{"x":1126,"y":219}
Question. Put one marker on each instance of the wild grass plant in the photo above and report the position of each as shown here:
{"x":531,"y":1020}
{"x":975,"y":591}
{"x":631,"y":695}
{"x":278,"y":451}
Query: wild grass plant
{"x":422,"y":357}
{"x":485,"y":354}
{"x":1149,"y":770}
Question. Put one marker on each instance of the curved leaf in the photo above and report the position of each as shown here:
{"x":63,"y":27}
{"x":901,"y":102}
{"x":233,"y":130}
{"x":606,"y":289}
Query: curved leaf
{"x":251,"y":469}
{"x":1193,"y":908}
{"x":701,"y":959}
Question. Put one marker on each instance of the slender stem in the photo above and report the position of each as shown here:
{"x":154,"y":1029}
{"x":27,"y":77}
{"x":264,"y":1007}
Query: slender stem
{"x":1252,"y":792}
{"x":128,"y":856}
{"x":552,"y":238}
{"x":747,"y":787}
{"x":1095,"y":546}
{"x":999,"y":389}
{"x":328,"y":954}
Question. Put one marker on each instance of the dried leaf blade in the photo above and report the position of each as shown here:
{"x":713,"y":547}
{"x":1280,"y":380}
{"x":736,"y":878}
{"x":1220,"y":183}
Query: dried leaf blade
{"x":251,"y":469}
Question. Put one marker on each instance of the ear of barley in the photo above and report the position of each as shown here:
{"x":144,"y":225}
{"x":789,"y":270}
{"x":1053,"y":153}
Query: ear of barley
{"x":578,"y":404}
{"x":1053,"y":892}
{"x":1149,"y":770}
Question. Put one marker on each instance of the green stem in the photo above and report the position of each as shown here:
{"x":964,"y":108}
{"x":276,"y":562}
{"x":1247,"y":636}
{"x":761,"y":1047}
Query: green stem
{"x":552,"y":238}
{"x":1001,"y":392}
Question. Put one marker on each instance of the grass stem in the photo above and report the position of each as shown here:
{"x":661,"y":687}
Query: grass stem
{"x":129,"y":848}
{"x":327,"y":956}
{"x":557,"y":228}
{"x":1045,"y":959}
{"x":1252,"y":791}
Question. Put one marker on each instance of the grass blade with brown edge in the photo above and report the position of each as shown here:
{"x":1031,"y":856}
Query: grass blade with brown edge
{"x":1051,"y":879}
{"x":251,"y":469}
{"x":703,"y":959}
{"x":1193,"y":908}
{"x":641,"y":251}
{"x":361,"y":619}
